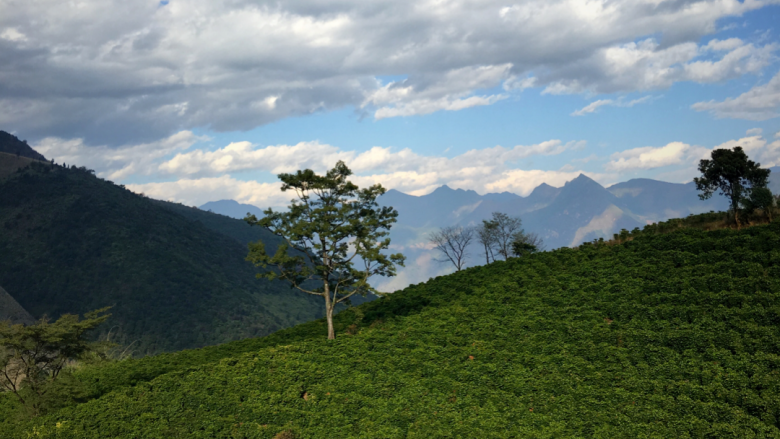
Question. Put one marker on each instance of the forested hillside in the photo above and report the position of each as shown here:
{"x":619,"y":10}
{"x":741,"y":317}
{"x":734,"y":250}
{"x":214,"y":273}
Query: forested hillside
{"x":175,"y":276}
{"x":667,"y":335}
{"x":10,"y":144}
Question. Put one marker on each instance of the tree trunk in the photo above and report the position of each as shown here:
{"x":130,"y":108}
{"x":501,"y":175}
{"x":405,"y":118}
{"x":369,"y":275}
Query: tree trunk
{"x":329,"y":313}
{"x":329,"y":317}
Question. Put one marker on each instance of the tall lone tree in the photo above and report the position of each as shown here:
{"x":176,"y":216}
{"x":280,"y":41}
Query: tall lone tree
{"x":331,"y":227}
{"x":731,"y":172}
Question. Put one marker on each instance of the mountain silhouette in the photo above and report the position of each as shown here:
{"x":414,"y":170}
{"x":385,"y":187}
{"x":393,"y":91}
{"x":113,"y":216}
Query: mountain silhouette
{"x":10,"y":144}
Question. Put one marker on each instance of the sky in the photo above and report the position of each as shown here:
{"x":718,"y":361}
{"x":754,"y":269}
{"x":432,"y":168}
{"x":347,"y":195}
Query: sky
{"x":196,"y":101}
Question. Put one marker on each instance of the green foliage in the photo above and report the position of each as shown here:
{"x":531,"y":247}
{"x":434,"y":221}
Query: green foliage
{"x":521,"y":247}
{"x":33,"y":356}
{"x":333,"y":225}
{"x":176,"y":277}
{"x":733,"y":174}
{"x":498,"y":233}
{"x":760,"y":198}
{"x":666,"y":335}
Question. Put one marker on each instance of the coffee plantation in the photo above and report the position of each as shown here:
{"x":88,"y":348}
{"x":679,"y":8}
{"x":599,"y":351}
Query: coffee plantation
{"x":664,"y":335}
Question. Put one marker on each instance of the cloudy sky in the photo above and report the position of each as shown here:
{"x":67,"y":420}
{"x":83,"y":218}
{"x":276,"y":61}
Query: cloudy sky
{"x":195,"y":100}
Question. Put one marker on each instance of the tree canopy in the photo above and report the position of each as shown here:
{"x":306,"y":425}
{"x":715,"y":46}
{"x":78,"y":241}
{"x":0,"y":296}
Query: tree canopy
{"x":733,"y":174}
{"x":331,"y":227}
{"x":33,"y":356}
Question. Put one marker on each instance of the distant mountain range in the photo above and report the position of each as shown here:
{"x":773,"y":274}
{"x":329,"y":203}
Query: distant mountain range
{"x":232,"y":209}
{"x":582,"y":210}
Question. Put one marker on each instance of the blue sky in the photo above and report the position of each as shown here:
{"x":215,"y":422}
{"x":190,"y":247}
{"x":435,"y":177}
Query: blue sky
{"x":483,"y":95}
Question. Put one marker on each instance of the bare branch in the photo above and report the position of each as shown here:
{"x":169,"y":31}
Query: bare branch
{"x":453,"y":242}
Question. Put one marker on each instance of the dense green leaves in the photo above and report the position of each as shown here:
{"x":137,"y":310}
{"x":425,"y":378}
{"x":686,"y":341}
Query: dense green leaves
{"x":733,"y":174}
{"x":33,"y":356}
{"x":330,"y":229}
{"x":674,"y":335}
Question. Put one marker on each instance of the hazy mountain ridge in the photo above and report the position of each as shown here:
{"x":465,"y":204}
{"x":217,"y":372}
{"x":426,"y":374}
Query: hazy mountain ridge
{"x":232,"y":208}
{"x":581,"y":210}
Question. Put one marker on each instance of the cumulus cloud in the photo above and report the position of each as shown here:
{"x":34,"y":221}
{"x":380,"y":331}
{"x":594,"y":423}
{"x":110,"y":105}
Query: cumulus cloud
{"x":196,"y":192}
{"x":112,"y":72}
{"x":683,"y":158}
{"x":116,"y":163}
{"x":403,"y":169}
{"x":648,"y":157}
{"x":200,"y":176}
{"x":757,"y":148}
{"x":426,"y":94}
{"x":646,"y":65}
{"x":761,"y":102}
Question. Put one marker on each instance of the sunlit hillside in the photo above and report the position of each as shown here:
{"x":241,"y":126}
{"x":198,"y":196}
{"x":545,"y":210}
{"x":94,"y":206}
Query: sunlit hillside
{"x":667,"y":335}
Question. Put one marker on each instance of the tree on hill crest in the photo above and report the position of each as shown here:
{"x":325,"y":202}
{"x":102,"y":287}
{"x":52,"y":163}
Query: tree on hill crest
{"x":334,"y":224}
{"x":731,"y":172}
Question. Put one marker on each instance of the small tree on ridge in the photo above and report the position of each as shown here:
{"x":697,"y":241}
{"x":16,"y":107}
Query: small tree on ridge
{"x":731,"y":172}
{"x":453,"y":242}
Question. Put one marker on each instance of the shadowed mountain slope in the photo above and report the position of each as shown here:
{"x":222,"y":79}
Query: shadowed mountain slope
{"x":176,"y":277}
{"x":11,"y":311}
{"x":12,"y":145}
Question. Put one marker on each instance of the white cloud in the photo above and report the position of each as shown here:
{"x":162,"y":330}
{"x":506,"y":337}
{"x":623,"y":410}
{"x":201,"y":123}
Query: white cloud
{"x":243,"y":156}
{"x":648,"y":157}
{"x":761,"y":102}
{"x":203,"y":176}
{"x":115,"y":72}
{"x":196,"y":192}
{"x":683,"y":159}
{"x":757,"y":148}
{"x":429,"y":93}
{"x":116,"y":163}
{"x":593,"y":106}
{"x":646,"y":65}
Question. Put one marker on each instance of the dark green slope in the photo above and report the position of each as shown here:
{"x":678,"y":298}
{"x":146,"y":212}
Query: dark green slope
{"x":12,"y":145}
{"x":70,"y":242}
{"x":674,"y":335}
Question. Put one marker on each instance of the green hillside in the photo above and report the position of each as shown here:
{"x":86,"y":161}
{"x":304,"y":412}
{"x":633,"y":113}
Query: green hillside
{"x":176,"y":277}
{"x":672,"y":335}
{"x":10,"y":144}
